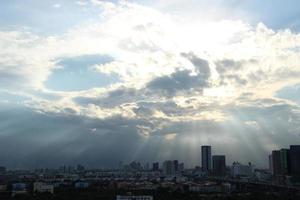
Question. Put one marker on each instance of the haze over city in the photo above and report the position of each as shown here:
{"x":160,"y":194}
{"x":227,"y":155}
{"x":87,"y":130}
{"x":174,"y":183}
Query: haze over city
{"x":101,"y":82}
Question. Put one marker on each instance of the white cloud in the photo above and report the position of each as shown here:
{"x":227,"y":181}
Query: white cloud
{"x":57,"y":5}
{"x":147,"y":44}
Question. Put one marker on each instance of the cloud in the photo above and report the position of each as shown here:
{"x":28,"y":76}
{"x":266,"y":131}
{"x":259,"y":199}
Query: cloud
{"x":82,"y":139}
{"x":57,"y":5}
{"x":183,"y":80}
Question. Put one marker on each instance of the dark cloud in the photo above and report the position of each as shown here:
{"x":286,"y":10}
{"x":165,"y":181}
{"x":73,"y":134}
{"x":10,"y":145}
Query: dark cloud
{"x":113,"y":98}
{"x":179,"y":82}
{"x":51,"y":139}
{"x":182,"y":81}
{"x":226,"y":65}
{"x":230,"y":71}
{"x":201,"y":65}
{"x":35,"y":139}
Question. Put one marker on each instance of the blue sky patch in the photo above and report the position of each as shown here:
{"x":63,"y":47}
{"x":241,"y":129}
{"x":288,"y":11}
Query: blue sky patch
{"x":291,"y":93}
{"x":76,"y":74}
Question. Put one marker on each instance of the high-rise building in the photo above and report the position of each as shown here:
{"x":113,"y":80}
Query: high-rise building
{"x":295,"y":161}
{"x":155,"y":166}
{"x":219,"y":165}
{"x":270,"y":164}
{"x":168,"y":168}
{"x":284,"y":161}
{"x":80,"y":168}
{"x":2,"y":169}
{"x":276,"y":162}
{"x":146,"y":166}
{"x":206,"y":158}
{"x":175,"y":162}
{"x":181,"y":167}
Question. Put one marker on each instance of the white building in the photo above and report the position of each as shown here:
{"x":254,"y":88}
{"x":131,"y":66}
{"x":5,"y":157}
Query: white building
{"x":240,"y":170}
{"x":119,"y":197}
{"x":41,"y":187}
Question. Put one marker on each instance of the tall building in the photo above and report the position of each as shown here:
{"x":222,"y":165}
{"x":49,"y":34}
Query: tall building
{"x":219,"y":165}
{"x":181,"y":167}
{"x":168,"y":168}
{"x":276,"y":162}
{"x":206,"y":158}
{"x":284,"y":161}
{"x":295,"y":161}
{"x":280,"y":162}
{"x":155,"y":166}
{"x":270,"y":164}
{"x":2,"y":169}
{"x":80,"y":168}
{"x":175,"y":162}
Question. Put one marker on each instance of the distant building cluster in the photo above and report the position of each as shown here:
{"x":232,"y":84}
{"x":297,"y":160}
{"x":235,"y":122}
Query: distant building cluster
{"x":214,"y":176}
{"x":284,"y":164}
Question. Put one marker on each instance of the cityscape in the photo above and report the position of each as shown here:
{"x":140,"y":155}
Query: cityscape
{"x":214,"y":179}
{"x":149,"y":100}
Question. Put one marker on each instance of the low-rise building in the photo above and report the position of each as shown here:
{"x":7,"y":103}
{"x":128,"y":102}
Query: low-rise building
{"x":41,"y":187}
{"x":131,"y":197}
{"x":81,"y":184}
{"x":3,"y":187}
{"x":19,"y":189}
{"x":240,"y":170}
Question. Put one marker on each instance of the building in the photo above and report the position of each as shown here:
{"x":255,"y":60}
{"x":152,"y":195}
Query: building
{"x":240,"y":170}
{"x":294,"y":157}
{"x":262,"y":175}
{"x":19,"y":189}
{"x":280,"y":162}
{"x":155,"y":166}
{"x":130,"y":197}
{"x":81,"y":184}
{"x":168,"y":168}
{"x":2,"y":169}
{"x":276,"y":162}
{"x":146,"y":166}
{"x":270,"y":164}
{"x":80,"y":168}
{"x":3,"y":187}
{"x":181,"y":167}
{"x":206,"y":158}
{"x":175,"y":163}
{"x":40,"y":187}
{"x":219,"y":165}
{"x":284,"y":161}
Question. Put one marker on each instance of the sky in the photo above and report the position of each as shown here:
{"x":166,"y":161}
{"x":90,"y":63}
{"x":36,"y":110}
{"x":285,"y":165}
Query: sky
{"x":101,"y":82}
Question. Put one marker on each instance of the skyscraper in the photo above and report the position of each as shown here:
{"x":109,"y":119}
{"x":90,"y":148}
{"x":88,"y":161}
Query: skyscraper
{"x":295,"y":162}
{"x":206,"y":158}
{"x":168,"y":168}
{"x":175,"y":162}
{"x":270,"y":164}
{"x":276,"y":162}
{"x":219,"y":165}
{"x":155,"y":166}
{"x":284,"y":161}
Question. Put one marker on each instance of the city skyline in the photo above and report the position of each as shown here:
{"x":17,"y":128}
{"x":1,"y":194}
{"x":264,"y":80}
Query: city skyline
{"x":102,"y":81}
